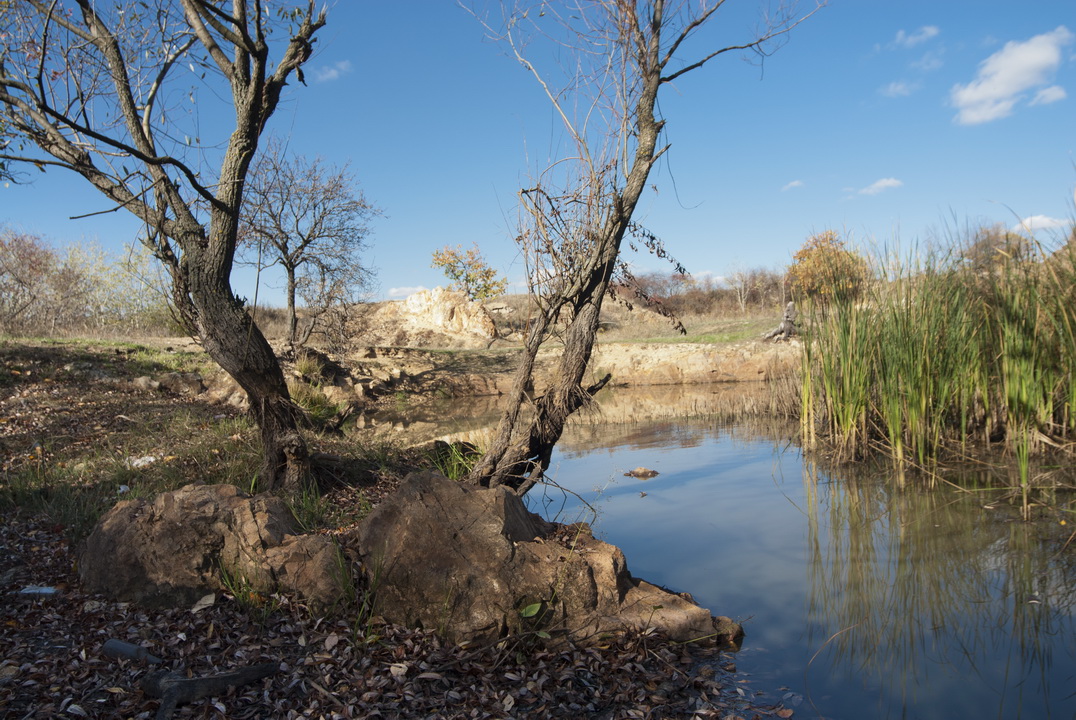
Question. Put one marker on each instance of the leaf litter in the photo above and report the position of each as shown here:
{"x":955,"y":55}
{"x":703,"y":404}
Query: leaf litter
{"x":52,"y":664}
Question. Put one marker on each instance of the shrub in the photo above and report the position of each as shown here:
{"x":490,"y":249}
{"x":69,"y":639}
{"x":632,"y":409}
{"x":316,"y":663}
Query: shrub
{"x":825,"y":269}
{"x":469,"y":272}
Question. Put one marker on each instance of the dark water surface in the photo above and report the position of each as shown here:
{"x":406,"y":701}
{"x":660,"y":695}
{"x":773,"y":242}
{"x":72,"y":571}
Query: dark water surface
{"x":864,"y":601}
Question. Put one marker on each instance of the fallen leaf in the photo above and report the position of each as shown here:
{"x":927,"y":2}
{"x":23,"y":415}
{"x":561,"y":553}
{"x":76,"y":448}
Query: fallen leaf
{"x":204,"y":602}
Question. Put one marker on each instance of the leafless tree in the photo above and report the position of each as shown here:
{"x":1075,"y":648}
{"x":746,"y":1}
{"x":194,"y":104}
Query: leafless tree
{"x":313,"y":222}
{"x":109,"y":91}
{"x":741,"y":283}
{"x":616,"y":56}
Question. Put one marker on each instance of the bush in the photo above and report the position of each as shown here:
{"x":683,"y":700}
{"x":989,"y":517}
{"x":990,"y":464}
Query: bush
{"x":825,"y":269}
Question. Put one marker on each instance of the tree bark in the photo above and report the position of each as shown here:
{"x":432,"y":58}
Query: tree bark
{"x":231,"y":337}
{"x":293,"y":320}
{"x":787,"y":328}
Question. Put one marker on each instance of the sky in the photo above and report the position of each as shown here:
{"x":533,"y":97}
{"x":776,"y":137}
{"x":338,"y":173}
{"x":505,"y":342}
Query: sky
{"x":893,"y":123}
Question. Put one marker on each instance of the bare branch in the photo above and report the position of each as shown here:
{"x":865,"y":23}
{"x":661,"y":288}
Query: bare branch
{"x":196,"y":12}
{"x":780,"y":30}
{"x":574,"y":218}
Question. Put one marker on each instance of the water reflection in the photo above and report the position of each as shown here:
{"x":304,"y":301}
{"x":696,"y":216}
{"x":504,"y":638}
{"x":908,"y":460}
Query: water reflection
{"x":908,"y":586}
{"x":618,"y":410}
{"x":867,"y":601}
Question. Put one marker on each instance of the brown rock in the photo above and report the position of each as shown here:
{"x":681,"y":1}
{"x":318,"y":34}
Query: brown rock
{"x":310,"y":566}
{"x":473,"y":564}
{"x":170,"y":551}
{"x":183,"y":383}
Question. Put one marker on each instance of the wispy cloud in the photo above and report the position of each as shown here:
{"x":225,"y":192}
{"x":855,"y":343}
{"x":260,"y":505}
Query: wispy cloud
{"x":920,"y":36}
{"x":405,"y":292}
{"x":929,"y":62}
{"x":1005,"y":77}
{"x":1034,"y":223}
{"x":899,"y":88}
{"x":879,"y":186}
{"x":793,"y":184}
{"x":1049,"y":95}
{"x":332,"y":72}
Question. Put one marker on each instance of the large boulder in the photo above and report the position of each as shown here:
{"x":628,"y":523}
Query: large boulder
{"x":474,"y":564}
{"x":173,"y":549}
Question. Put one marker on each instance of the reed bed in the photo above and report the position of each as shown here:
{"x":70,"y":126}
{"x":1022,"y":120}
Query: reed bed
{"x":944,"y":360}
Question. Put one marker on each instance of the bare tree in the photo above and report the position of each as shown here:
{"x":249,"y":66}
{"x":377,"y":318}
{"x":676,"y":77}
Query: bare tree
{"x":102,"y":89}
{"x":577,"y":213}
{"x":313,"y":222}
{"x":741,"y":283}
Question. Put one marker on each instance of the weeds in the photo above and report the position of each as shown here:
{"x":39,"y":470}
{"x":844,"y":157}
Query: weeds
{"x":310,"y":509}
{"x":313,"y":400}
{"x":454,"y":460}
{"x":942,"y":357}
{"x":258,"y":605}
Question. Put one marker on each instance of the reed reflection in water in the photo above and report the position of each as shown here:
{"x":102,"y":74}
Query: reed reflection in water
{"x":868,"y":601}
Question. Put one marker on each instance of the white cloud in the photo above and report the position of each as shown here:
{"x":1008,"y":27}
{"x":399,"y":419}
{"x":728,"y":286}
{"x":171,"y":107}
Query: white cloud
{"x":1039,"y":222}
{"x":899,"y":88}
{"x":930,"y":62}
{"x":793,"y":184}
{"x":405,"y":292}
{"x":1006,"y":75}
{"x":879,"y":185}
{"x":1049,"y":95}
{"x":332,"y":72}
{"x":918,"y":37}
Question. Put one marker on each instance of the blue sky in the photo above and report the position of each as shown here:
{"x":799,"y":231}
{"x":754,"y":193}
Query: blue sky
{"x":891,"y":122}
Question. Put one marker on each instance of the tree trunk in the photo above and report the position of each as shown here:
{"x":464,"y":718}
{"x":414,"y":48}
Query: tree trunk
{"x":293,"y":320}
{"x":234,"y":341}
{"x":520,"y":461}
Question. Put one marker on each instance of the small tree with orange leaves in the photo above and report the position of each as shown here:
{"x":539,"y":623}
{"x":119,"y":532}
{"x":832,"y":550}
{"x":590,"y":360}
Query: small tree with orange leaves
{"x":825,"y":269}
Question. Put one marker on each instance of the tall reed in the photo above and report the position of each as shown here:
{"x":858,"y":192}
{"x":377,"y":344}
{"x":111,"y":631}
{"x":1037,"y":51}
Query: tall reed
{"x":941,"y":357}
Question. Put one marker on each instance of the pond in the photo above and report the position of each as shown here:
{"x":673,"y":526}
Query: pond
{"x":858,"y":600}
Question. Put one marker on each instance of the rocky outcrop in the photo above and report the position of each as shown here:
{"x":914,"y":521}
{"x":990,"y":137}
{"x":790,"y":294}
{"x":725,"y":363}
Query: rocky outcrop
{"x":173,"y":549}
{"x":430,"y":318}
{"x":639,"y":364}
{"x":470,"y":563}
{"x":474,"y":564}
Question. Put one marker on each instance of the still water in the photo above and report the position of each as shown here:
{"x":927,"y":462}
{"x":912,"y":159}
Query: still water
{"x":859,"y":601}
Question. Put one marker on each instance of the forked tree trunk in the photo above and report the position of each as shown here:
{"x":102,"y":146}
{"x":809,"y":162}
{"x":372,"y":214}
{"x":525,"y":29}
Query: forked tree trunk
{"x":528,"y":458}
{"x":519,"y":458}
{"x":577,"y":231}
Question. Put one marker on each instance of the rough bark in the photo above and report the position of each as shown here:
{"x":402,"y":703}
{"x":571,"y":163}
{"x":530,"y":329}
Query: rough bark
{"x":787,"y":328}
